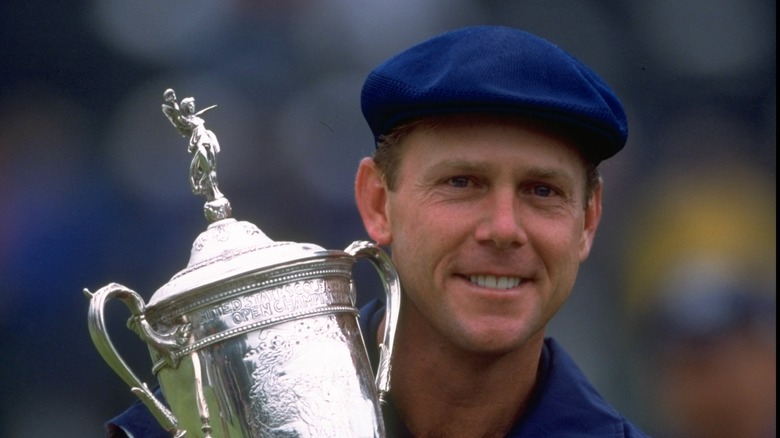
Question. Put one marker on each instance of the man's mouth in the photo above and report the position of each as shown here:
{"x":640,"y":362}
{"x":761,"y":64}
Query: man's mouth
{"x":494,"y":282}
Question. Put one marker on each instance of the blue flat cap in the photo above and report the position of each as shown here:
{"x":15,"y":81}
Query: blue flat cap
{"x":495,"y":69}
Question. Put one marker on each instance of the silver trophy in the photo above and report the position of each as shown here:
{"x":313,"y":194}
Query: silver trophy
{"x":254,"y":338}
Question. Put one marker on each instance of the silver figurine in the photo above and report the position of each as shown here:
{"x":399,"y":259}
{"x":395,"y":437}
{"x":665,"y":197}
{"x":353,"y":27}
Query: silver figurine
{"x":204,"y":146}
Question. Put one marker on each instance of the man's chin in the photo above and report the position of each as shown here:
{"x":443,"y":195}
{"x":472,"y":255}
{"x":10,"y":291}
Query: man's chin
{"x":494,"y":339}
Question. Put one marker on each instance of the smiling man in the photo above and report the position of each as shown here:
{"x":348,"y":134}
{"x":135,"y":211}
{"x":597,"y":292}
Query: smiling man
{"x":485,"y":188}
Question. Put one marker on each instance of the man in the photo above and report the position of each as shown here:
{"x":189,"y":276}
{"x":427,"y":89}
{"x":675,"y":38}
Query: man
{"x":485,"y":188}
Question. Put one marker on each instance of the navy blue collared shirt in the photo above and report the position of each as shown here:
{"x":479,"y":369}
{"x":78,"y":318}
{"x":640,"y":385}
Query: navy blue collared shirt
{"x":564,"y":403}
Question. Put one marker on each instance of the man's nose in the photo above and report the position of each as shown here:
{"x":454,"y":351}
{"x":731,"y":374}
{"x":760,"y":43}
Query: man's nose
{"x":502,"y":223}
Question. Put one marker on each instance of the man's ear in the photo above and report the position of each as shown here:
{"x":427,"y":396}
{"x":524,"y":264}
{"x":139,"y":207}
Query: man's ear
{"x":591,"y":222}
{"x":371,"y":196}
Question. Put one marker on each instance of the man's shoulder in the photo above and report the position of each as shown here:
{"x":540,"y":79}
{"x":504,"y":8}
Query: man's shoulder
{"x":565,"y":403}
{"x":136,"y":422}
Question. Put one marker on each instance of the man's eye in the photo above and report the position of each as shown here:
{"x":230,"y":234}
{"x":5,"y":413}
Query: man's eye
{"x":543,"y":191}
{"x":459,"y":181}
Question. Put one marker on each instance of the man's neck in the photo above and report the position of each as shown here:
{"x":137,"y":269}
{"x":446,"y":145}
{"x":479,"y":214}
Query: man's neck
{"x":442,"y":391}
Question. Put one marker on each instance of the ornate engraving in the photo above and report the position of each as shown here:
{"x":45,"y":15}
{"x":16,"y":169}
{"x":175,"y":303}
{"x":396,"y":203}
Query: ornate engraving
{"x":281,"y":300}
{"x":303,"y":379}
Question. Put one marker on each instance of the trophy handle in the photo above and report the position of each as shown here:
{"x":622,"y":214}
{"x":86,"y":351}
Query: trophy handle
{"x":386,"y":269}
{"x":99,"y":334}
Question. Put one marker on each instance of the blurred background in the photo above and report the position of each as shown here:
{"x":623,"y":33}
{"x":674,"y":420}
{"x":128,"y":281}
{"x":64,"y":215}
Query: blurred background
{"x":673,"y":316}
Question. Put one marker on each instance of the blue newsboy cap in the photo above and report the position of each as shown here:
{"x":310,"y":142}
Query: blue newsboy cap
{"x":495,"y":69}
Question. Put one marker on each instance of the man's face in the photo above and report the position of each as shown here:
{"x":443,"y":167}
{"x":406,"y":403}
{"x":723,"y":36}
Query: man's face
{"x":487,"y":227}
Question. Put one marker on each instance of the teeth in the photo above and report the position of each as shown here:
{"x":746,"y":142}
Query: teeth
{"x":494,"y":282}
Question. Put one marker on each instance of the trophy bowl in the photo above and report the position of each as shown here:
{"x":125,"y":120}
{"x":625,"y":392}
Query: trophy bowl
{"x":254,"y":338}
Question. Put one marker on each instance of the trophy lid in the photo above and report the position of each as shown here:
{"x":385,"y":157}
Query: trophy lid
{"x":228,"y":248}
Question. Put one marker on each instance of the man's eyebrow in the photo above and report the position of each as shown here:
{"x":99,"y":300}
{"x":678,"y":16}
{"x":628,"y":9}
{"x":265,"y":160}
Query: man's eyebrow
{"x":460,"y":165}
{"x":548,"y":173}
{"x":468,"y":166}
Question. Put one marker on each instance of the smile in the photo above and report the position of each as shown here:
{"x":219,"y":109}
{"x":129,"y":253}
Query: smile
{"x":493,"y":282}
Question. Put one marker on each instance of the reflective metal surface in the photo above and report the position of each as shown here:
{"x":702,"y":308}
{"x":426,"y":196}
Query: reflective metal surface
{"x":254,"y":338}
